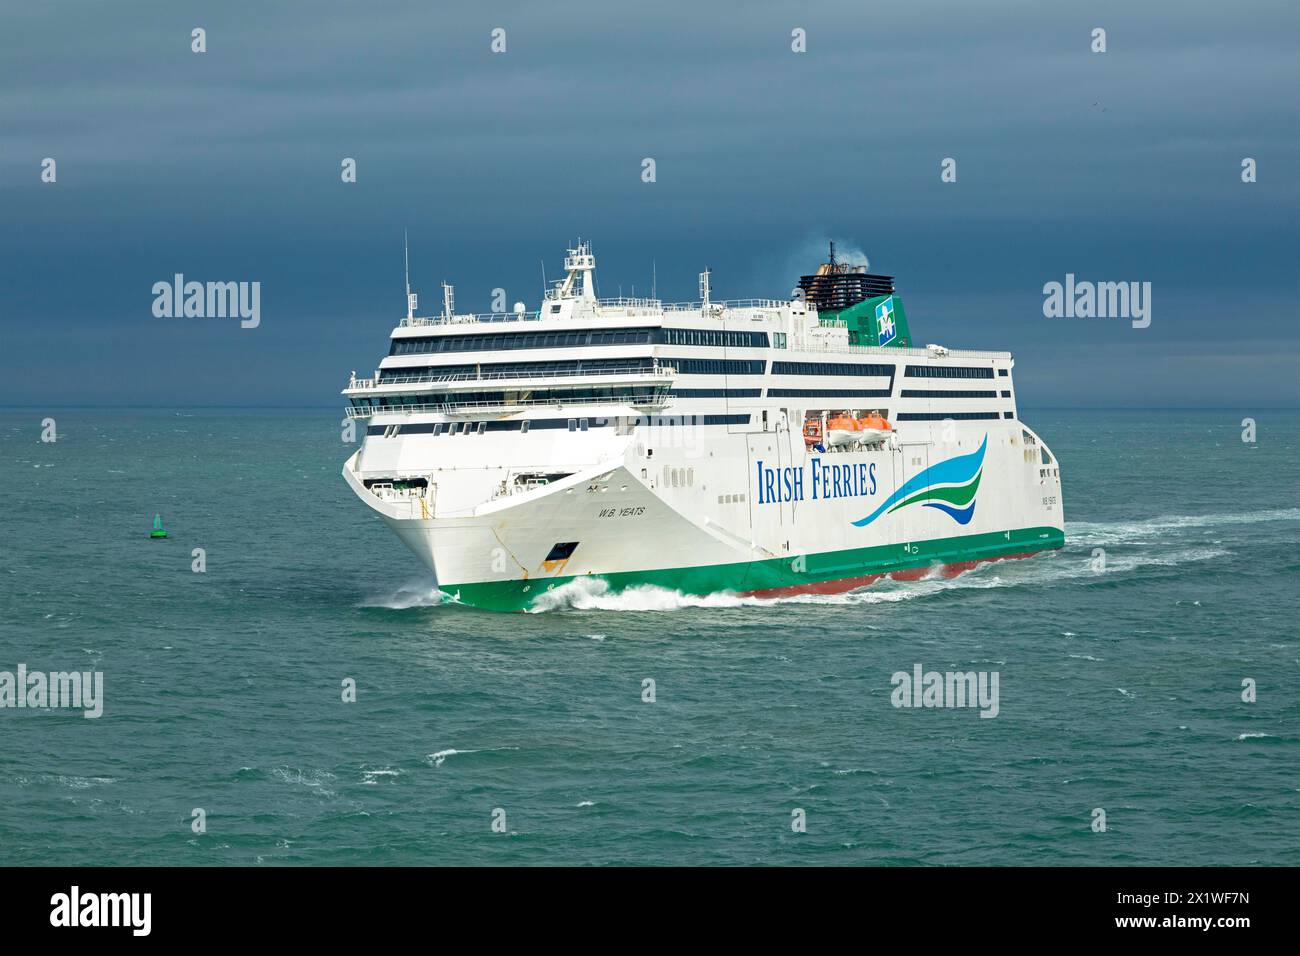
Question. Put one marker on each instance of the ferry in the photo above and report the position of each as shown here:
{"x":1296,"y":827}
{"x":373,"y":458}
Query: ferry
{"x":767,"y":447}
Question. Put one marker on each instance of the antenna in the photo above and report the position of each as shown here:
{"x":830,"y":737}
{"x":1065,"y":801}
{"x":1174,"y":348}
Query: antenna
{"x":411,"y":300}
{"x":654,"y":279}
{"x":832,"y":259}
{"x":705,"y":288}
{"x":543,"y":262}
{"x":448,"y":301}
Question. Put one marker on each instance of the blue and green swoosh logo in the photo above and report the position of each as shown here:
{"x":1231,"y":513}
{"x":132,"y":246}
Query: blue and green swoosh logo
{"x":959,"y":478}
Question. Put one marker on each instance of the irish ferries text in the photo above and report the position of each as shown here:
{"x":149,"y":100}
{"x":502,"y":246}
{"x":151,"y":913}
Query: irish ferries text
{"x":854,"y":480}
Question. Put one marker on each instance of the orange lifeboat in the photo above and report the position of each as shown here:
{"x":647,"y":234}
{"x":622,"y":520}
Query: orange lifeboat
{"x":812,"y":433}
{"x":873,"y":428}
{"x":842,"y":430}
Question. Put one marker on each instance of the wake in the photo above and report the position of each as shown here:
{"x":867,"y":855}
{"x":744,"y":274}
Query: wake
{"x":1161,"y":541}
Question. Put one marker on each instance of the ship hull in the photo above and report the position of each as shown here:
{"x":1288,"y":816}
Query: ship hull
{"x":828,"y":573}
{"x":795,"y":521}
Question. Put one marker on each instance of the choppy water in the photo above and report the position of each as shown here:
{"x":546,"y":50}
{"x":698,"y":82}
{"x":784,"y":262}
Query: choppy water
{"x":1119,"y":689}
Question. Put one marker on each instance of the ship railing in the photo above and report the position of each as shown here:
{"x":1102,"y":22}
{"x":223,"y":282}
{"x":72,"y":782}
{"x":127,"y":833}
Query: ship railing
{"x":887,"y":351}
{"x":386,"y":491}
{"x":619,"y":302}
{"x":468,"y":318}
{"x":625,"y":302}
{"x":726,"y":304}
{"x":648,"y":371}
{"x":502,"y":408}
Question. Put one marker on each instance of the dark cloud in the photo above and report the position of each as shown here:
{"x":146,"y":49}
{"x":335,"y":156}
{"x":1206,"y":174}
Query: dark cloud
{"x":1119,"y":166}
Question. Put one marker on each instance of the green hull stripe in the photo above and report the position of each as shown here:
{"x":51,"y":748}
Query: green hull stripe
{"x":959,"y":496}
{"x":777,"y":572}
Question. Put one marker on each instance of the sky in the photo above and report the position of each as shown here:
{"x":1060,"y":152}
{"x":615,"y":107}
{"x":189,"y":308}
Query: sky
{"x":1122,"y":166}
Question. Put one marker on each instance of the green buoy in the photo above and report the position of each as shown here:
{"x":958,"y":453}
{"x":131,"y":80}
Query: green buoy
{"x":157,"y":531}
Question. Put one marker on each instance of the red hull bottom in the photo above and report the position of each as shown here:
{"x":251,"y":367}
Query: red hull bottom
{"x":840,"y":585}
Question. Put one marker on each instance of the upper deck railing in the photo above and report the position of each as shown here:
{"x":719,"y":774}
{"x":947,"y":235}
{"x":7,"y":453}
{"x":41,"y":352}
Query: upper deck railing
{"x":894,"y":352}
{"x":472,"y":318}
{"x":625,"y":371}
{"x":725,"y":304}
{"x":620,"y":303}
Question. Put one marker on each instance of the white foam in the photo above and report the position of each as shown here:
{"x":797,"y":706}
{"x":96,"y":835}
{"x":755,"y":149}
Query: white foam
{"x":315,"y":779}
{"x":1116,"y":532}
{"x":593,"y":594}
{"x":588,"y":594}
{"x":411,"y":594}
{"x":442,"y":755}
{"x":83,"y":783}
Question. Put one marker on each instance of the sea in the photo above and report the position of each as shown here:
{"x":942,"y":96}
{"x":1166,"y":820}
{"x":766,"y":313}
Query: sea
{"x":309,"y":697}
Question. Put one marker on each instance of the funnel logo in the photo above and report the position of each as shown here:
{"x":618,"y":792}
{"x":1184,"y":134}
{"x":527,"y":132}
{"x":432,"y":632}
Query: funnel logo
{"x":885,"y":327}
{"x":949,"y":486}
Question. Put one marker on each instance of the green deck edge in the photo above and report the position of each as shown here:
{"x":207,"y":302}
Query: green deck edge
{"x":775,"y":572}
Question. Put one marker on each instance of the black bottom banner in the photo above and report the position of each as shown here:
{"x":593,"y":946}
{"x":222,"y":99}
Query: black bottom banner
{"x":338,"y":905}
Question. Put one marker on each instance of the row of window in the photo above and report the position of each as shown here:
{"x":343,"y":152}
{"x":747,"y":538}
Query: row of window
{"x":830,"y":368}
{"x":949,"y":371}
{"x":474,"y":428}
{"x":717,"y":366}
{"x":715,"y":337}
{"x":716,"y":393}
{"x":571,"y":424}
{"x":498,"y":341}
{"x":955,"y":416}
{"x":673,"y":421}
{"x":828,"y":392}
{"x":601,"y":393}
{"x":616,"y":393}
{"x":522,"y":369}
{"x":684,"y":366}
{"x":941,"y":393}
